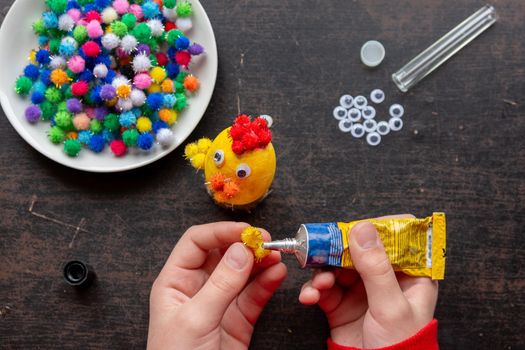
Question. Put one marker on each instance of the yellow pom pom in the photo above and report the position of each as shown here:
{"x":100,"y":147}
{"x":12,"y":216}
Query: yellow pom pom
{"x":204,"y":144}
{"x":59,"y":77}
{"x":197,"y":161}
{"x":32,"y":57}
{"x":154,"y":88}
{"x":252,"y":238}
{"x":168,"y":115}
{"x":158,"y":74}
{"x":112,"y":103}
{"x":167,"y":86}
{"x":124,"y":91}
{"x":143,"y":124}
{"x":191,"y":150}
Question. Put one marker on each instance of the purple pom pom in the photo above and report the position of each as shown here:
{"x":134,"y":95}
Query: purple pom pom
{"x":33,"y":114}
{"x":143,"y":48}
{"x":101,"y":112}
{"x":74,"y":105}
{"x":108,"y":92}
{"x":195,"y":49}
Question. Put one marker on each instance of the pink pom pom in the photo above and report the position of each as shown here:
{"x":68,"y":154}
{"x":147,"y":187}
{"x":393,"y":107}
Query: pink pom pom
{"x":90,"y":111}
{"x":81,"y":121}
{"x":91,"y":49}
{"x":94,"y":29}
{"x":80,"y":88}
{"x":137,"y":11}
{"x":142,"y":81}
{"x":75,"y":14}
{"x":118,"y":147}
{"x":76,"y":64}
{"x":121,"y":6}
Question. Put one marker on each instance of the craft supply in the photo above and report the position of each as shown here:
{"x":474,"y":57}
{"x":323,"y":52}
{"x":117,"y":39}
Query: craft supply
{"x":346,"y":101}
{"x":373,"y":138}
{"x":435,"y":55}
{"x":345,"y":125}
{"x":395,"y":123}
{"x":239,"y":165}
{"x":360,"y":102}
{"x":78,"y":274}
{"x":377,"y":96}
{"x":340,"y":113}
{"x":372,"y":53}
{"x":414,"y":246}
{"x":396,"y":110}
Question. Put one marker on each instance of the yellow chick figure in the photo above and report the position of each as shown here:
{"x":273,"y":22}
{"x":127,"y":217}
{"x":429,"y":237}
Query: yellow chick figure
{"x":239,"y":164}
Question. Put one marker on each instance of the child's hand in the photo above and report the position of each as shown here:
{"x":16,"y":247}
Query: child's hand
{"x":373,"y":307}
{"x":210,"y":293}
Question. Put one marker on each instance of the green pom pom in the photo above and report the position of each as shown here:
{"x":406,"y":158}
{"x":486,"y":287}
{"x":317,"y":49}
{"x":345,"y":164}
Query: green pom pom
{"x":179,"y":87}
{"x":39,"y":28}
{"x":62,"y":107}
{"x":153,"y":59}
{"x":84,"y":2}
{"x":169,"y":3}
{"x":64,"y":120}
{"x":72,"y":147}
{"x":48,"y":110}
{"x":54,"y":44}
{"x":23,"y":85}
{"x":111,"y":122}
{"x":145,"y":111}
{"x":129,"y":20}
{"x":53,"y":95}
{"x":130,"y":137}
{"x":173,"y":35}
{"x":184,"y":9}
{"x":80,"y":34}
{"x":153,"y":45}
{"x":55,"y":33}
{"x":56,"y":135}
{"x":57,"y":6}
{"x":181,"y":76}
{"x":95,"y":126}
{"x":181,"y":102}
{"x":119,"y":28}
{"x":142,"y":32}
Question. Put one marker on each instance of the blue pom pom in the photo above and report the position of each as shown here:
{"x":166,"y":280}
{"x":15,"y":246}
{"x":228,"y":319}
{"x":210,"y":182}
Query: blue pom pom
{"x":110,"y":76}
{"x":89,"y":7}
{"x":136,"y":111}
{"x":150,"y":9}
{"x":97,"y":143}
{"x":37,"y":97}
{"x":39,"y":86}
{"x":82,"y":54}
{"x":73,"y":5}
{"x":86,"y":75}
{"x":67,"y":49}
{"x":42,"y":57}
{"x":159,"y":125}
{"x":84,"y":136}
{"x":173,"y":70}
{"x":45,"y":77}
{"x":42,"y":40}
{"x":182,"y":43}
{"x":95,"y":95}
{"x":155,"y":101}
{"x":169,"y":100}
{"x":50,"y":20}
{"x":108,"y":135}
{"x":104,"y":59}
{"x":102,"y":4}
{"x":145,"y":141}
{"x":31,"y":71}
{"x":171,"y":52}
{"x":127,"y":119}
{"x":52,"y":121}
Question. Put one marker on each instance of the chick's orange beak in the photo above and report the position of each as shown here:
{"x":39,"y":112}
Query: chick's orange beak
{"x":223,"y":187}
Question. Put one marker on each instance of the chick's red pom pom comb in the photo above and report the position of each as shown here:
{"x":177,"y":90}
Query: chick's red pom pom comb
{"x":248,"y":135}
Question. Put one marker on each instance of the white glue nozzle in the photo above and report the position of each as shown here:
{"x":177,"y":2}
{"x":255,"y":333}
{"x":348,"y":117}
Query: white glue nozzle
{"x":372,"y":53}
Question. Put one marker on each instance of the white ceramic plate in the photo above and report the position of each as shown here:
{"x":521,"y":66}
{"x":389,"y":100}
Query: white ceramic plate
{"x":16,"y":41}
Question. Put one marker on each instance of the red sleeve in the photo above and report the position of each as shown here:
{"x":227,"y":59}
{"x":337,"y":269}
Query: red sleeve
{"x":425,"y":339}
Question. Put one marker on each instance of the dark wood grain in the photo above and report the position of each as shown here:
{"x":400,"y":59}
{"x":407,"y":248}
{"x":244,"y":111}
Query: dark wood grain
{"x":461,"y":151}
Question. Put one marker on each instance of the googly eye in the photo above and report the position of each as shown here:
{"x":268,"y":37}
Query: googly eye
{"x":382,"y":128}
{"x":368,"y":112}
{"x":346,"y":101}
{"x":370,"y":125}
{"x":396,"y":110}
{"x":373,"y":139}
{"x":354,"y":114}
{"x":395,"y":124}
{"x":340,"y":113}
{"x":377,"y":96}
{"x":357,"y":130}
{"x":360,"y":102}
{"x":218,"y":157}
{"x":243,"y":171}
{"x":269,"y":119}
{"x":345,"y":125}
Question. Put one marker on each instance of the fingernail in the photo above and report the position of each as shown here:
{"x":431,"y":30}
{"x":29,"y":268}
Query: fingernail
{"x":366,"y":237}
{"x":237,"y":257}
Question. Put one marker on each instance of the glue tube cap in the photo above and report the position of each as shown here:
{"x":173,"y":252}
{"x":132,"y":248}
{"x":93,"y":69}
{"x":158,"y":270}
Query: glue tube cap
{"x":78,"y":274}
{"x":372,"y":53}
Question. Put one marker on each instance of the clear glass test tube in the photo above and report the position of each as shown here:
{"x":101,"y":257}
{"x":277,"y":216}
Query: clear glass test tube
{"x":428,"y":60}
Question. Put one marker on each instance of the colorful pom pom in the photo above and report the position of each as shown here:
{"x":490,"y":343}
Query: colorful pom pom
{"x":165,"y":137}
{"x":145,"y":141}
{"x":118,"y":147}
{"x":91,"y":49}
{"x":130,"y":137}
{"x":80,"y":88}
{"x":72,"y":147}
{"x":23,"y":85}
{"x":96,"y":143}
{"x":94,"y":29}
{"x":74,"y":105}
{"x":143,"y":124}
{"x":191,"y":83}
{"x":33,"y":114}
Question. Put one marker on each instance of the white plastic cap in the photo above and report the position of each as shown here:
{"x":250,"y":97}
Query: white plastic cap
{"x":372,"y":53}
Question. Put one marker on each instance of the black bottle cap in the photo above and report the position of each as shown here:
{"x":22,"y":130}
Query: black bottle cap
{"x":78,"y":274}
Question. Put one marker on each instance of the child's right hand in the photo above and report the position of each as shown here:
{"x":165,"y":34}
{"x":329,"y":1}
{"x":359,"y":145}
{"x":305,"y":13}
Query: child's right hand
{"x":371,"y":307}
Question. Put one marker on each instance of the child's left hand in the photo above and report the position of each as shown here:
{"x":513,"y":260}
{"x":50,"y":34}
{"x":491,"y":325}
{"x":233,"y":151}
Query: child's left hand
{"x":210,"y":293}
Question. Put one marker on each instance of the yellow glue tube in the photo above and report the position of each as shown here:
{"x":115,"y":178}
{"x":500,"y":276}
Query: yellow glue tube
{"x":414,"y":246}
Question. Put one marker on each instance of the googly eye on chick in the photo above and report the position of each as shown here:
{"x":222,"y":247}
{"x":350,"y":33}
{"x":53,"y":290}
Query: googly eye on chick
{"x":239,"y":164}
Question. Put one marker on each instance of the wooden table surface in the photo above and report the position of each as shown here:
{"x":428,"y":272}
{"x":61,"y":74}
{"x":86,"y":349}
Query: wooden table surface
{"x":461,"y":151}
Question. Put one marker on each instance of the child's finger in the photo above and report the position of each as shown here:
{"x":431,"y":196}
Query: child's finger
{"x":309,"y":295}
{"x":323,"y":280}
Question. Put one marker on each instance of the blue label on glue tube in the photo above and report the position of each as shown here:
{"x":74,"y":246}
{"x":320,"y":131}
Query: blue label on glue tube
{"x":325,"y":245}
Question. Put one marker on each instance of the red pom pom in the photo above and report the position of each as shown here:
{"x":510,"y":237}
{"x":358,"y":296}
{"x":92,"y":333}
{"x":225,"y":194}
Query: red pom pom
{"x":80,"y":88}
{"x":93,"y":16}
{"x":237,"y":131}
{"x":250,"y":141}
{"x":242,"y":119}
{"x":265,"y":137}
{"x":91,"y":49}
{"x":169,"y":26}
{"x":183,"y":58}
{"x":237,"y":147}
{"x":118,"y":147}
{"x":259,"y":123}
{"x":162,"y":58}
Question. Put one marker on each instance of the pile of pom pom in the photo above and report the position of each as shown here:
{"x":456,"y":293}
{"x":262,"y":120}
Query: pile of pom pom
{"x":111,"y":73}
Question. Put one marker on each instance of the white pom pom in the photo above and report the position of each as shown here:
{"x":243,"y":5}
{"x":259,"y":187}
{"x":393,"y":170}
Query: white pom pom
{"x":165,"y":137}
{"x":184,"y":24}
{"x":141,"y":63}
{"x":128,"y":43}
{"x":138,"y":97}
{"x":69,"y":40}
{"x":110,"y":41}
{"x":124,"y":104}
{"x":170,"y":14}
{"x":156,"y":26}
{"x":57,"y":62}
{"x":109,"y":15}
{"x":100,"y":71}
{"x":120,"y":80}
{"x":66,"y":23}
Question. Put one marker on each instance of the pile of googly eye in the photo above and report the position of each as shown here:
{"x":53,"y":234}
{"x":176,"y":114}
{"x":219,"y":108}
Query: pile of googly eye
{"x":357,"y":117}
{"x":110,"y":73}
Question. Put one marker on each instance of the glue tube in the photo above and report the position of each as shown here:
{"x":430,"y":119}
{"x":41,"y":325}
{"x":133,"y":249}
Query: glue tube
{"x":428,"y":60}
{"x":414,"y":246}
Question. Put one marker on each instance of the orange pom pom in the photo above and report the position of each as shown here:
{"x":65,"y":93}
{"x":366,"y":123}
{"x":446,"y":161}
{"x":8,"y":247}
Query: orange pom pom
{"x":217,"y":181}
{"x":231,"y":189}
{"x":167,"y":86}
{"x":72,"y":135}
{"x":191,"y":83}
